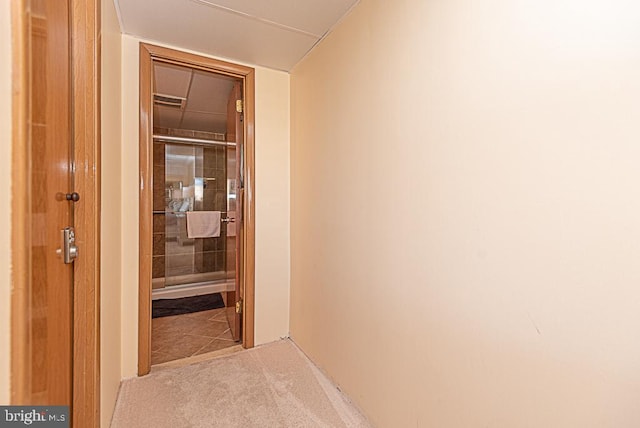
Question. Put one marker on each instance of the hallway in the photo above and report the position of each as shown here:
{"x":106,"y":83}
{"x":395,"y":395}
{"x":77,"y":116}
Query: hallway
{"x":273,"y":385}
{"x":441,"y":203}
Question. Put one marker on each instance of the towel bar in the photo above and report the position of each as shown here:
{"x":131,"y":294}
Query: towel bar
{"x":178,"y":212}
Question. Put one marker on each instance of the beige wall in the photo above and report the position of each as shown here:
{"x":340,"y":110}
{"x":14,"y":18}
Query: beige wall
{"x":5,"y":213}
{"x":465,"y":212}
{"x":111,"y":241}
{"x":272,"y":205}
{"x":129,"y":207}
{"x":272,"y":184}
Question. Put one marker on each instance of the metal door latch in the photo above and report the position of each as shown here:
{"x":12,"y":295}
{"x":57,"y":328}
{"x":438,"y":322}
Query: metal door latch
{"x":69,"y":251}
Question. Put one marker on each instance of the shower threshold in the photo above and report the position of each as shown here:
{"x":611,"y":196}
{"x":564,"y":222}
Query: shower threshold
{"x":193,"y":289}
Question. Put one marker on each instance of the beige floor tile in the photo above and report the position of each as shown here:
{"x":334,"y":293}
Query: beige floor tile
{"x":163,"y":322}
{"x":180,"y":324}
{"x":181,"y":336}
{"x":215,"y":345}
{"x":205,"y":314}
{"x":185,"y":345}
{"x":226,"y":335}
{"x":160,"y":357}
{"x":159,"y":340}
{"x":210,"y":329}
{"x":221,"y":315}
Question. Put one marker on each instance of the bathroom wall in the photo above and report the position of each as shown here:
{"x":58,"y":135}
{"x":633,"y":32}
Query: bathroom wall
{"x":272,"y":206}
{"x":465,"y":212}
{"x":5,"y":213}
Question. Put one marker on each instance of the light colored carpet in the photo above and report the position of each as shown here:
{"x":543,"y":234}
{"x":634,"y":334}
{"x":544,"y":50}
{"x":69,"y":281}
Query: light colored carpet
{"x":274,"y":385}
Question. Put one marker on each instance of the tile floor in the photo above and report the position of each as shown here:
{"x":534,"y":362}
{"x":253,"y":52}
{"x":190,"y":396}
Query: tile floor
{"x":181,"y":336}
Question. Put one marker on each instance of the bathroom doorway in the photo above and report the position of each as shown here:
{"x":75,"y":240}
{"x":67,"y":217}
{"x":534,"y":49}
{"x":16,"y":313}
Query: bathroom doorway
{"x":196,"y":214}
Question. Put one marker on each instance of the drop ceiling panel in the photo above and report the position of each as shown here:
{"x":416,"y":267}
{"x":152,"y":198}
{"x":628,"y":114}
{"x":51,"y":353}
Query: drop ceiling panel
{"x":209,"y":93}
{"x":312,"y":16}
{"x":171,"y":80}
{"x":254,"y":32}
{"x":197,"y":121}
{"x":166,"y":117}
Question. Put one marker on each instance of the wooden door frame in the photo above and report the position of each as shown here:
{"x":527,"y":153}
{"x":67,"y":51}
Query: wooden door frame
{"x":85,"y":74}
{"x":148,"y":53}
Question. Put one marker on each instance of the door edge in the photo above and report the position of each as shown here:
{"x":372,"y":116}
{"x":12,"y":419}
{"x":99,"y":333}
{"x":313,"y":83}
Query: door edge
{"x":86,"y":113}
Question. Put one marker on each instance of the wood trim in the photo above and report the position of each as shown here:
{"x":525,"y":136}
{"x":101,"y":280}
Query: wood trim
{"x":20,"y":208}
{"x":197,"y":61}
{"x":85,"y":46}
{"x":86,"y":69}
{"x":146,"y":216}
{"x":250,"y":212}
{"x":148,"y":53}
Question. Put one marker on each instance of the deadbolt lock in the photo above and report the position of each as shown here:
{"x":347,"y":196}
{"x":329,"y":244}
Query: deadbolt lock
{"x":69,"y":250}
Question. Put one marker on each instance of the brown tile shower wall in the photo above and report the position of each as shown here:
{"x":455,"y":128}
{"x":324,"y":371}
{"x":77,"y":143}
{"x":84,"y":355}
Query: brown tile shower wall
{"x":211,"y":250}
{"x":192,"y":256}
{"x":158,"y":263}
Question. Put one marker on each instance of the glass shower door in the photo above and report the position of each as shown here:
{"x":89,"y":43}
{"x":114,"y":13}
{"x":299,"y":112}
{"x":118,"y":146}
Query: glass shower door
{"x":189,"y":178}
{"x":183,"y":187}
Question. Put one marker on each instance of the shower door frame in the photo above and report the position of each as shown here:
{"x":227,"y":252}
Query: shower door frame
{"x":149,"y":53}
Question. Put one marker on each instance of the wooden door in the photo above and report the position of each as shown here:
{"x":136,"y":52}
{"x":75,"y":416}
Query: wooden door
{"x":235,"y":194}
{"x":55,"y":306}
{"x":50,"y":280}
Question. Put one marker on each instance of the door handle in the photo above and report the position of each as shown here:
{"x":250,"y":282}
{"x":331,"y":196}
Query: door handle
{"x":69,"y":250}
{"x":75,"y":197}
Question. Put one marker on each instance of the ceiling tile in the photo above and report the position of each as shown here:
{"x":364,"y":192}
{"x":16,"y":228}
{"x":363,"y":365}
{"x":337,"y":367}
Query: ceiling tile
{"x":171,"y":79}
{"x":312,"y":16}
{"x":209,"y":93}
{"x":166,"y":117}
{"x":210,"y":30}
{"x":196,"y":121}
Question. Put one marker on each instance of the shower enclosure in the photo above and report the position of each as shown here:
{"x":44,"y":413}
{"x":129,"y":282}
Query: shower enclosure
{"x":193,"y":171}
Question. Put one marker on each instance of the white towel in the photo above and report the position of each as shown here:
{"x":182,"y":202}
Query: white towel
{"x":203,"y":224}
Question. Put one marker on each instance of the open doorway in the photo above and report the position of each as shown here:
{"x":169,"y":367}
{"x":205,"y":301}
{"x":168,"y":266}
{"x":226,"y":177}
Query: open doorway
{"x":196,"y":211}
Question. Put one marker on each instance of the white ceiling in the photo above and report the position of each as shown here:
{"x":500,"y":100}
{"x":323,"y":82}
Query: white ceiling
{"x":206,"y":93}
{"x":271,"y":33}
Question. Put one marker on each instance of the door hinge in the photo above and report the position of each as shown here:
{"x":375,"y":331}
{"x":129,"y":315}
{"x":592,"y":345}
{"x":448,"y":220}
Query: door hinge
{"x":239,"y":106}
{"x":239,"y":306}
